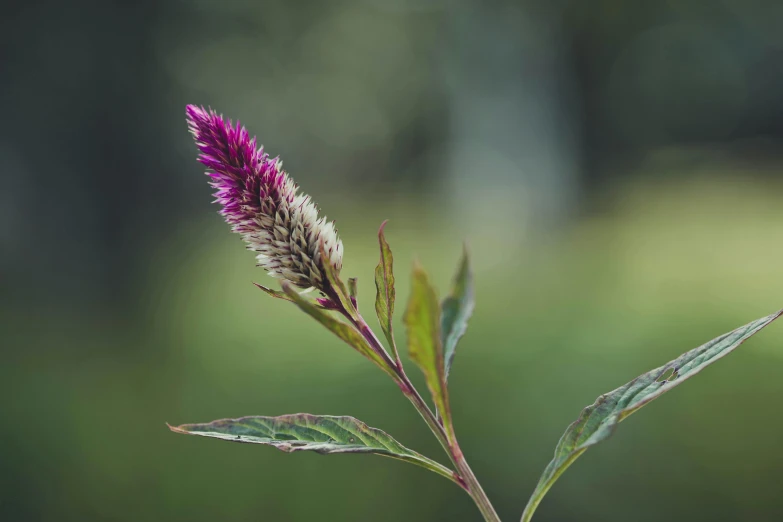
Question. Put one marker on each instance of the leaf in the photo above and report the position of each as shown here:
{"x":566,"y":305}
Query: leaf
{"x":323,"y":303}
{"x":344,"y":331}
{"x":337,"y":285}
{"x":422,"y":319}
{"x":598,"y":421}
{"x":384,"y":284}
{"x":273,"y":293}
{"x":322,"y":434}
{"x":456,"y":310}
{"x":353,"y":290}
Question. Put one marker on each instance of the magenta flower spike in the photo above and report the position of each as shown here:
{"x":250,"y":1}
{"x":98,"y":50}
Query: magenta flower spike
{"x":260,"y":202}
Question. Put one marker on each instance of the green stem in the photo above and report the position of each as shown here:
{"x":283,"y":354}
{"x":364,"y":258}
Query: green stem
{"x":451,"y":446}
{"x":447,"y":440}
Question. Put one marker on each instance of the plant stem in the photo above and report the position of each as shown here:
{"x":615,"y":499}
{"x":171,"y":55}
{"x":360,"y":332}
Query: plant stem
{"x":447,"y":440}
{"x":451,"y":446}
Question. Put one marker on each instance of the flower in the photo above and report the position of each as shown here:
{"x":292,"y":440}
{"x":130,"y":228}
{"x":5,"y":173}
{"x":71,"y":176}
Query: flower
{"x":261,"y":203}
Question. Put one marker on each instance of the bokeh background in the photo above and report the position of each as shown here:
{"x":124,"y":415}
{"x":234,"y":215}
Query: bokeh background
{"x":615,"y":167}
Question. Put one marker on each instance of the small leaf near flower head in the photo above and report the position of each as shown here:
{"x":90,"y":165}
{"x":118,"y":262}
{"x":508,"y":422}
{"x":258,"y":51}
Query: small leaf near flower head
{"x":344,"y":331}
{"x":322,"y":434}
{"x":385,"y":293}
{"x":353,"y":291}
{"x":456,"y":310}
{"x":323,"y":302}
{"x":353,"y":287}
{"x":273,"y":293}
{"x":422,"y":319}
{"x":337,"y":287}
{"x":598,"y":421}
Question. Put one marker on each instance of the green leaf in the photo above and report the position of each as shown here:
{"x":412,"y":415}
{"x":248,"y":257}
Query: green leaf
{"x":273,"y":293}
{"x":353,"y":288}
{"x":343,"y":330}
{"x":337,"y":284}
{"x":422,"y":319}
{"x":598,"y":421}
{"x":281,"y":295}
{"x":322,"y":434}
{"x":456,"y":310}
{"x":384,"y":284}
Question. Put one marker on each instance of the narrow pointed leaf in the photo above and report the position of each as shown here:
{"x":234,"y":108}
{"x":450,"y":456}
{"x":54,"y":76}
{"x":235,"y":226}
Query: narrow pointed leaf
{"x":456,"y":310}
{"x":384,"y":284}
{"x":353,"y":290}
{"x":343,"y":330}
{"x":322,"y":434}
{"x":599,"y":420}
{"x":323,"y":302}
{"x":337,"y":285}
{"x":422,"y":319}
{"x":273,"y":293}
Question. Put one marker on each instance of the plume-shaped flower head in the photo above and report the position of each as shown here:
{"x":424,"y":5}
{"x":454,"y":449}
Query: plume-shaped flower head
{"x":261,"y":203}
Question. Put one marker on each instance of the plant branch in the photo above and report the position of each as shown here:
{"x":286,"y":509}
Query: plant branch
{"x":447,"y":439}
{"x":449,"y":443}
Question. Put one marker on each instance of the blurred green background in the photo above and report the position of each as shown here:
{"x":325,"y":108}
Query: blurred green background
{"x":615,"y":167}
